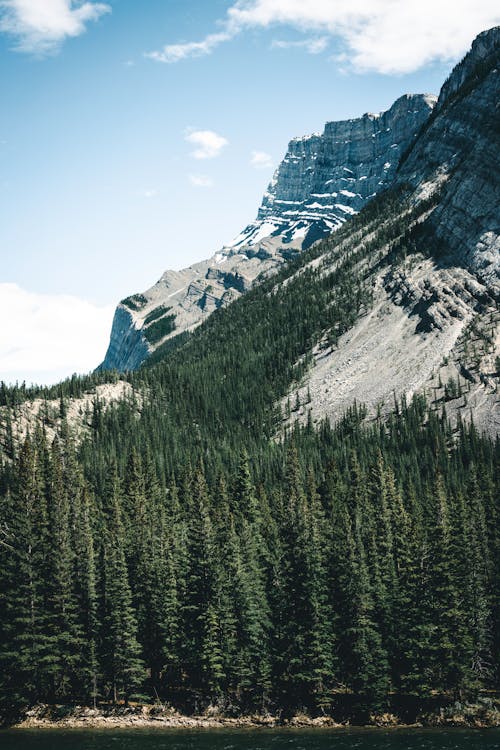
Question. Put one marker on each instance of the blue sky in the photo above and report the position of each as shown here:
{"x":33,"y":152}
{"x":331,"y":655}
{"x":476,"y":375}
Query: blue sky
{"x":128,"y":134}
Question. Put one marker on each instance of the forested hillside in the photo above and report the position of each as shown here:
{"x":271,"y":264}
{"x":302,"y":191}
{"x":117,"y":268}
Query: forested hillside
{"x":181,"y":551}
{"x":196,"y":542}
{"x":353,"y":570}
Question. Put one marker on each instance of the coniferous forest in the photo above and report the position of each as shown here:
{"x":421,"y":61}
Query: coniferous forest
{"x":354,"y":565}
{"x":188,"y":549}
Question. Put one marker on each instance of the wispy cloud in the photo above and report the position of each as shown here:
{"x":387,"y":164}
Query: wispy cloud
{"x":41,"y":26}
{"x":201,"y":180}
{"x":208,"y":144}
{"x":49,"y":337}
{"x":172,"y":53}
{"x":312,"y":45}
{"x":386,"y":36}
{"x":261,"y":160}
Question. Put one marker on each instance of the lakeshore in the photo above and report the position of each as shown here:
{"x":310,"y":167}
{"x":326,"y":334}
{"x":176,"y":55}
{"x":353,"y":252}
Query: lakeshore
{"x":481,"y":715}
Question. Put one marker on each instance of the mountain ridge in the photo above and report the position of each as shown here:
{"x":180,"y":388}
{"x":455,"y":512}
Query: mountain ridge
{"x":294,"y":510}
{"x":429,"y":263}
{"x":434,"y":323}
{"x":322,"y":181}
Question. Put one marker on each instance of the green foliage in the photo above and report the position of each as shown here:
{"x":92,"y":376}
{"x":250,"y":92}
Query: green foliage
{"x":158,"y":312}
{"x":134,"y":302}
{"x":353,"y":560}
{"x":183,"y":552}
{"x":159,"y":328}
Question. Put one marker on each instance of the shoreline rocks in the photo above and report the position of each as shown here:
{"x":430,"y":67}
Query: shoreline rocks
{"x":484,"y":714}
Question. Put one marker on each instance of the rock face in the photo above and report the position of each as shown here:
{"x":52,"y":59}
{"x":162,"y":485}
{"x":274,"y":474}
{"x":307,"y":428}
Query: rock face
{"x":434,"y":326}
{"x":321,"y":182}
{"x":45,"y":414}
{"x":458,"y":151}
{"x":429,"y":326}
{"x":127,"y":342}
{"x":331,"y":176}
{"x":484,"y":51}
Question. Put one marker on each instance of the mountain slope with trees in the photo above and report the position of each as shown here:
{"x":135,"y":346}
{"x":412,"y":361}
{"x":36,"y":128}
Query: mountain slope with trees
{"x":322,"y":181}
{"x":200,"y":544}
{"x":347,"y":571}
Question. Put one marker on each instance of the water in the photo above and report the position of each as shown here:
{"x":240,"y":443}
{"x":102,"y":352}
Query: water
{"x":241,"y":739}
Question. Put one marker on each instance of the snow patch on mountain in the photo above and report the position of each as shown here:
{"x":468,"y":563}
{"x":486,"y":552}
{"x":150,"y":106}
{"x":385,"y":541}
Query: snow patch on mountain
{"x":323,"y":180}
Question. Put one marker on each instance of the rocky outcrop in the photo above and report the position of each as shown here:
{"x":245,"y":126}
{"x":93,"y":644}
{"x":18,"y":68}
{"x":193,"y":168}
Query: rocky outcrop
{"x":484,"y":51}
{"x":430,"y":330}
{"x":434,"y":324}
{"x":331,"y":176}
{"x":322,"y":181}
{"x":45,"y":413}
{"x":458,"y":153}
{"x":127,"y":344}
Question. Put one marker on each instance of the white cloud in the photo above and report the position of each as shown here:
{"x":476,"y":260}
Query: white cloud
{"x":149,"y":193}
{"x":313,"y":45}
{"x":172,"y":53}
{"x":41,"y":26}
{"x":386,"y":36}
{"x":44,"y":337}
{"x":261,"y":160}
{"x":208,"y":144}
{"x":201,"y":180}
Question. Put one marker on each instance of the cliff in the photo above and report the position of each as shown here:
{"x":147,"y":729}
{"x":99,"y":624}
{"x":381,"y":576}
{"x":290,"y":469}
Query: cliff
{"x":322,"y":181}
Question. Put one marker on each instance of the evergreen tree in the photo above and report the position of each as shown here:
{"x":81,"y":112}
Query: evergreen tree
{"x":363,"y":654}
{"x":24,"y":648}
{"x":64,"y":658}
{"x":120,"y":661}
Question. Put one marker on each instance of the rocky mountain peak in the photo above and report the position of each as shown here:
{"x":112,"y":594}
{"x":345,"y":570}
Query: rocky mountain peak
{"x":457,"y":156}
{"x":323,"y":180}
{"x":433,"y":319}
{"x":331,"y":176}
{"x":484,"y":52}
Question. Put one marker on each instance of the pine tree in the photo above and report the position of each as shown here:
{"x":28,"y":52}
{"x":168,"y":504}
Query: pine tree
{"x":120,"y":652}
{"x":200,"y":633}
{"x":252,"y":608}
{"x":451,"y":644}
{"x":64,"y":637}
{"x":304,"y":637}
{"x":24,"y":649}
{"x":363,"y":655}
{"x":86,"y":588}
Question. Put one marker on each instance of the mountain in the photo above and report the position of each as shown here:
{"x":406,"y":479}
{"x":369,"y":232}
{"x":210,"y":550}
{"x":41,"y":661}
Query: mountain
{"x":432,"y":323}
{"x":417,"y":269}
{"x":322,"y":181}
{"x":295,"y":509}
{"x":458,"y":153}
{"x":434,"y":318}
